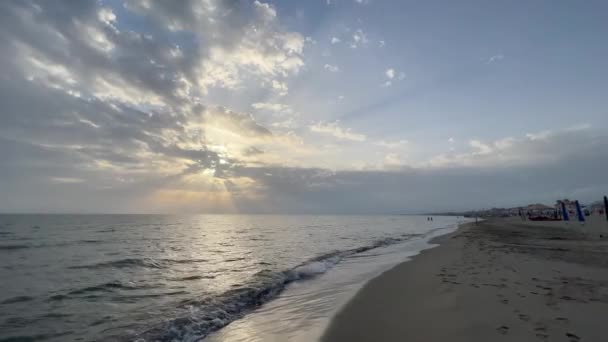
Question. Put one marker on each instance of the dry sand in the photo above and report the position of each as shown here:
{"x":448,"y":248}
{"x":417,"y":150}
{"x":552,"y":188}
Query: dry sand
{"x":501,"y":280}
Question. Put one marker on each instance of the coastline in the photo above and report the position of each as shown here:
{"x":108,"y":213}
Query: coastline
{"x":500,"y":280}
{"x":303,"y":311}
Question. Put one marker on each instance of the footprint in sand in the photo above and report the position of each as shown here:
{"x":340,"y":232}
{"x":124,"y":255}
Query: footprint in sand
{"x":524,"y":317}
{"x":542,"y":336}
{"x":503,"y":329}
{"x":573,"y":337}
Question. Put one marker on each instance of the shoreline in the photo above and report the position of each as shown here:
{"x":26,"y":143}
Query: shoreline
{"x":318,"y":299}
{"x":500,"y":280}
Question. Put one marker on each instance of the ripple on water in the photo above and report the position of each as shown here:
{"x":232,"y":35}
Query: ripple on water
{"x":17,"y":299}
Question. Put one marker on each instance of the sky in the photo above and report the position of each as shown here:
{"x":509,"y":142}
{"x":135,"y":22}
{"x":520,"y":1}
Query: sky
{"x":317,"y":106}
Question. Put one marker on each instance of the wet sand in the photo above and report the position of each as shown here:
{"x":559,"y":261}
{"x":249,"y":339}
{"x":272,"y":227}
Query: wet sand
{"x":501,"y":280}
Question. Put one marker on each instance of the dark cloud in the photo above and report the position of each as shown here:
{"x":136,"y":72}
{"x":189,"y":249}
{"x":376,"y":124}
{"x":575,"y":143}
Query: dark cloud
{"x":423,"y":190}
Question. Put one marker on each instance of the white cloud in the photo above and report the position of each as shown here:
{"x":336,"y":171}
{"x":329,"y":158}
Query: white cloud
{"x":266,"y":10}
{"x":106,"y":16}
{"x":495,"y":58}
{"x":280,"y":87}
{"x":392,"y":160}
{"x":359,"y":38}
{"x":273,"y":107}
{"x":334,"y":129}
{"x":480,"y":148}
{"x":66,"y":180}
{"x":335,"y":40}
{"x":530,"y":149}
{"x":381,"y":43}
{"x":450,"y":140}
{"x":392,"y":144}
{"x":390,"y":73}
{"x":331,"y":68}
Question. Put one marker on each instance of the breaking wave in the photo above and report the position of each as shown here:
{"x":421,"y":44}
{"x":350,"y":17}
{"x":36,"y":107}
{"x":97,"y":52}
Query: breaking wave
{"x":203,"y":316}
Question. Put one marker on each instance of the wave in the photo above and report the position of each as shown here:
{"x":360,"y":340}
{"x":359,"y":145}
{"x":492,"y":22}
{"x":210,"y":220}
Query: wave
{"x":108,"y":287}
{"x":209,"y":314}
{"x":44,"y":245}
{"x":13,"y":247}
{"x":100,"y":288}
{"x":138,"y":262}
{"x":18,"y":299}
{"x":194,"y":277}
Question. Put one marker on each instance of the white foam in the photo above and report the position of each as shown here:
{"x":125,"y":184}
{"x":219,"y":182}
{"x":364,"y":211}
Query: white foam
{"x":316,"y":267}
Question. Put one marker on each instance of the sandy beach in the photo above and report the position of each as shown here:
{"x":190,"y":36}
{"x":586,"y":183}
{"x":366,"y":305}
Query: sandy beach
{"x":500,"y":280}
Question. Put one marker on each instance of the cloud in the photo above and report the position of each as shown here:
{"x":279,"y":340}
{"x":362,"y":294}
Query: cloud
{"x":66,"y":180}
{"x":530,"y":149}
{"x":392,"y":75}
{"x":495,"y":59}
{"x":272,"y":107}
{"x":335,"y":40}
{"x":91,"y":104}
{"x":392,"y":160}
{"x":480,"y":148}
{"x":358,"y":39}
{"x":251,"y":151}
{"x":280,"y":87}
{"x":407,"y":190}
{"x":132,"y":113}
{"x":235,"y":122}
{"x":392,"y":144}
{"x":334,"y":129}
{"x":331,"y":68}
{"x":515,"y":171}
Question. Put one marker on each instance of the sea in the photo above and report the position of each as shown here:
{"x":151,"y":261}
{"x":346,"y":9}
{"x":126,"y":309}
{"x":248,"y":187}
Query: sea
{"x":193,"y":277}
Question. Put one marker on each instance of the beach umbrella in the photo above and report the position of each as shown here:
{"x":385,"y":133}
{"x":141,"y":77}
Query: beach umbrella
{"x":606,"y":206}
{"x":565,"y":212}
{"x":579,"y":212}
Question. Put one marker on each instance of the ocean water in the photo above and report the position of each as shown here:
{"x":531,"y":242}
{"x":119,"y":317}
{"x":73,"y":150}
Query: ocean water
{"x":187,"y":278}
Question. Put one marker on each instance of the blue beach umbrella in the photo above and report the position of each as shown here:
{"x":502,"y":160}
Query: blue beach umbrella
{"x":565,"y":212}
{"x":579,"y":212}
{"x":606,"y":206}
